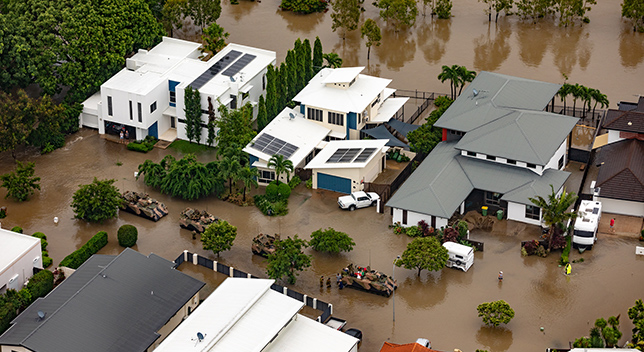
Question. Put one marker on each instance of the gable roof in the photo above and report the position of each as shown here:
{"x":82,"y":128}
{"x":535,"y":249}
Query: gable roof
{"x":496,"y":94}
{"x":627,"y":121}
{"x":408,"y":347}
{"x":529,"y":136}
{"x":106,"y":305}
{"x":622,"y":174}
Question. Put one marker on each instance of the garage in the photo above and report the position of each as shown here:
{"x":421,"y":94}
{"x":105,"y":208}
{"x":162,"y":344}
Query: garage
{"x":334,"y":183}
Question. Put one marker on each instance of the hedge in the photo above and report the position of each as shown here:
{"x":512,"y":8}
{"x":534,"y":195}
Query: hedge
{"x":17,"y":229}
{"x":143,"y":146}
{"x":78,"y":257}
{"x":11,"y":302}
{"x":127,"y":235}
{"x":41,"y":284}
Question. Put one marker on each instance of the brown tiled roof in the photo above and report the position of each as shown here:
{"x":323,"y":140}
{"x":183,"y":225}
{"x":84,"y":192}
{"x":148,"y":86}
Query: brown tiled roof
{"x":408,"y":347}
{"x":619,"y":120}
{"x":621,"y":175}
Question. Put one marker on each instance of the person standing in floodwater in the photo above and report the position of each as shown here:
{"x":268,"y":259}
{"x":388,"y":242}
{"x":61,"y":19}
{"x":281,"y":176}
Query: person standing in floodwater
{"x":612,"y":225}
{"x":500,"y":276}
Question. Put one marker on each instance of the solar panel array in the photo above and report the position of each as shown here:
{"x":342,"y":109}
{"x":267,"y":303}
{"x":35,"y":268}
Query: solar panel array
{"x":215,"y":69}
{"x":348,"y":155}
{"x":272,"y":145}
{"x":239,"y":65}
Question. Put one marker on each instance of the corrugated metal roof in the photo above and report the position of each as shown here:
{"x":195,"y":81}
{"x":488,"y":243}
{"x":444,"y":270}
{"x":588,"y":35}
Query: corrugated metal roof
{"x":622,"y":174}
{"x":120,"y":308}
{"x":495,"y":91}
{"x":528,"y":136}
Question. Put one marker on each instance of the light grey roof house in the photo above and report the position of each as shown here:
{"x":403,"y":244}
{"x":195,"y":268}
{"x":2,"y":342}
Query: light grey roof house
{"x":129,"y":302}
{"x":499,"y":148}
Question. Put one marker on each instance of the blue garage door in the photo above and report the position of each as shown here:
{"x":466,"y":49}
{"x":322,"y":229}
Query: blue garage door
{"x":334,"y":183}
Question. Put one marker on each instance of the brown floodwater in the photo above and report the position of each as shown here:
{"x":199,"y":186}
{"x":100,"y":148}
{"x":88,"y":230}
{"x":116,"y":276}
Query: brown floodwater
{"x":438,"y":306}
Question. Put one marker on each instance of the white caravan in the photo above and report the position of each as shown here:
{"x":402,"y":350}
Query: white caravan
{"x":586,"y":224}
{"x":460,"y":256}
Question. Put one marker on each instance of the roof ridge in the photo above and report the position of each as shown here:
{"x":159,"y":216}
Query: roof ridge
{"x":526,"y":136}
{"x":498,"y":92}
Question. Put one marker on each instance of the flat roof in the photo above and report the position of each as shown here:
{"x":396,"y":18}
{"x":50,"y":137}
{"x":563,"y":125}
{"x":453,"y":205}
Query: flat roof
{"x":240,"y":315}
{"x":343,"y":75}
{"x":297,"y":131}
{"x":321,"y":161}
{"x":304,"y":334}
{"x":13,"y":246}
{"x":355,"y":98}
{"x":388,"y":109}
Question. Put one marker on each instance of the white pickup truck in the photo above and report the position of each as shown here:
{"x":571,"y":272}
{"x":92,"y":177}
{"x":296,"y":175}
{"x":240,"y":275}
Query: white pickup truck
{"x":358,"y":200}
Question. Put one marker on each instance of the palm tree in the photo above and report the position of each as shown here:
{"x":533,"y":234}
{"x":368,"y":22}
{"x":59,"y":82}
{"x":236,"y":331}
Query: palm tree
{"x":577,"y":92}
{"x":465,"y":76}
{"x":229,"y":169}
{"x":600,"y":99}
{"x":586,"y":97}
{"x":563,"y":93}
{"x":281,"y":166}
{"x":333,"y":60}
{"x":249,"y":177}
{"x":554,"y":211}
{"x":451,"y":74}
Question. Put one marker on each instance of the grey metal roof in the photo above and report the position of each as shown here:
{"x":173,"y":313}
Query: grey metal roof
{"x":445,"y":179}
{"x":495,"y":91}
{"x":120,"y":308}
{"x":402,"y":127}
{"x":381,"y":132}
{"x":528,"y":136}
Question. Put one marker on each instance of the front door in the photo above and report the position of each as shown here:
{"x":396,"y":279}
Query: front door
{"x":173,"y":122}
{"x":154,"y":130}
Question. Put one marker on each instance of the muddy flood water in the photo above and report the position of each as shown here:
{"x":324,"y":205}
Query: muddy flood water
{"x":439,"y":306}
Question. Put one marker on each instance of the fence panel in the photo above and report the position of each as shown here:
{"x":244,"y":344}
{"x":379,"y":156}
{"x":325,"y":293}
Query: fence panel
{"x":189,"y":259}
{"x":239,"y":273}
{"x":278,"y":288}
{"x":223,"y":268}
{"x":294,"y":294}
{"x":309,"y":301}
{"x":203,"y":261}
{"x":178,"y":261}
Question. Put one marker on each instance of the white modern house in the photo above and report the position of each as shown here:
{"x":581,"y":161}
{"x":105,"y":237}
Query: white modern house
{"x":147,"y":96}
{"x":19,"y":256}
{"x":247,"y":315}
{"x":499,"y":148}
{"x":345,"y":101}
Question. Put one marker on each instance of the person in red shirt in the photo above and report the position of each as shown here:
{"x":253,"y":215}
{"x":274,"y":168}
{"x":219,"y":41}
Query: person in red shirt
{"x":612,"y":225}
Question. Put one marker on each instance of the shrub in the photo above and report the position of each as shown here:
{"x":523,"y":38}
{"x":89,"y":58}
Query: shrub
{"x":280,"y":207}
{"x":40,"y":284}
{"x":424,"y":227}
{"x":565,"y":254}
{"x":143,"y":146}
{"x":294,"y":182}
{"x":79,"y":256}
{"x":127,"y":235}
{"x":46,"y":261}
{"x":450,"y":235}
{"x":262,"y":203}
{"x":309,"y":185}
{"x":531,"y":247}
{"x":462,"y":228}
{"x":414,"y":231}
{"x":495,"y":313}
{"x":284,"y":190}
{"x":441,"y":100}
{"x":272,"y":191}
{"x":17,"y":229}
{"x":331,"y":241}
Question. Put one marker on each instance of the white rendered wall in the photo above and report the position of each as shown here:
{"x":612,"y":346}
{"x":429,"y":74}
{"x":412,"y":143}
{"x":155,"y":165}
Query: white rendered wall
{"x":516,"y":212}
{"x":554,"y":161}
{"x":413,"y":218}
{"x":623,"y":207}
{"x":23,"y":267}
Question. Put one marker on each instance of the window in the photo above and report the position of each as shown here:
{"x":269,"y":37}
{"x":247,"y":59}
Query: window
{"x":404,"y":217}
{"x":264,"y":82}
{"x":138,"y":105}
{"x":471,"y":154}
{"x":314,"y":114}
{"x":458,"y":133}
{"x":233,"y":102}
{"x":560,"y":164}
{"x":492,"y":198}
{"x":244,"y":95}
{"x":153,"y":107}
{"x":266,"y":176}
{"x":173,"y":98}
{"x":510,"y":161}
{"x":376,"y":101}
{"x":532,"y":212}
{"x":336,"y":119}
{"x":532,"y":166}
{"x":490,"y":157}
{"x":131,"y":111}
{"x":110,"y":112}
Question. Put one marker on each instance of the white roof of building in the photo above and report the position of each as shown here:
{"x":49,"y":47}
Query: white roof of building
{"x":351,"y":99}
{"x":247,"y":315}
{"x":304,"y":334}
{"x":334,"y":148}
{"x":342,"y":75}
{"x":90,"y":105}
{"x":388,"y":108}
{"x":298,"y":131}
{"x":13,"y":246}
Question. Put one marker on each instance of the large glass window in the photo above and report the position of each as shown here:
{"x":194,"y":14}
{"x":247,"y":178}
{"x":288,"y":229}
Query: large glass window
{"x":153,"y":107}
{"x":492,"y":198}
{"x":138,"y":105}
{"x":131,"y":112}
{"x":336,"y":119}
{"x":110,"y":112}
{"x":314,"y":114}
{"x":532,"y":212}
{"x":266,"y":176}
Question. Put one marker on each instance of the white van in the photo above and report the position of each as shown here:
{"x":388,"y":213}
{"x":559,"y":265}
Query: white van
{"x":586,"y":224}
{"x":460,"y":256}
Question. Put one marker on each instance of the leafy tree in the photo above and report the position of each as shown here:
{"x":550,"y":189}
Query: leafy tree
{"x":96,"y":201}
{"x":636,"y":314}
{"x":398,"y":12}
{"x":443,"y":9}
{"x":189,"y":179}
{"x":214,"y":38}
{"x":219,"y":237}
{"x":533,"y":9}
{"x":345,"y":15}
{"x":271,"y":93}
{"x":308,"y":64}
{"x":554,"y":210}
{"x":333,"y":60}
{"x":230,"y":169}
{"x":203,"y":12}
{"x":234,"y":127}
{"x":317,"y":54}
{"x":172,"y":14}
{"x":370,"y":30}
{"x":192,"y":102}
{"x":450,"y":74}
{"x":248,"y":176}
{"x":288,"y":259}
{"x":424,"y":253}
{"x":424,"y":138}
{"x":303,"y":6}
{"x":262,"y":119}
{"x":291,"y":74}
{"x":331,"y":241}
{"x":282,"y":87}
{"x":495,"y":313}
{"x":464,"y":76}
{"x":153,"y":173}
{"x":599,"y":98}
{"x":127,"y":235}
{"x":281,"y":166}
{"x":498,"y":6}
{"x":299,"y":65}
{"x":634,"y":11}
{"x":15,"y":125}
{"x":21,"y":183}
{"x":603,"y":334}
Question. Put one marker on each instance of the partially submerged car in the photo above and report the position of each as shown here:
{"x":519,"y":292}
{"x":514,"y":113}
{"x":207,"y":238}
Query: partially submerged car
{"x":358,"y":200}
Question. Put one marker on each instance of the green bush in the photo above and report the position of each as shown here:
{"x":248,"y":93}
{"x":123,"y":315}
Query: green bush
{"x":143,"y":146}
{"x":272,"y":192}
{"x":127,"y":235}
{"x":309,"y":183}
{"x":43,"y":240}
{"x":41,"y":284}
{"x":565,"y":254}
{"x":8,"y":312}
{"x":280,"y":207}
{"x":294,"y":182}
{"x":413,"y":231}
{"x":17,"y":229}
{"x":46,"y":261}
{"x":284,"y":191}
{"x":78,"y":257}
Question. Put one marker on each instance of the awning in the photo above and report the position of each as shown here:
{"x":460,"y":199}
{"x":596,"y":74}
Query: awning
{"x":381,"y":132}
{"x":170,"y":111}
{"x":600,"y":141}
{"x":246,"y":88}
{"x":388,"y":109}
{"x":338,"y":135}
{"x":402,"y":127}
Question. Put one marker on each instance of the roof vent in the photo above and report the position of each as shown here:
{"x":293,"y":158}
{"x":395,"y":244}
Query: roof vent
{"x":41,"y":315}
{"x":475,"y":92}
{"x":291,"y":116}
{"x":199,"y":338}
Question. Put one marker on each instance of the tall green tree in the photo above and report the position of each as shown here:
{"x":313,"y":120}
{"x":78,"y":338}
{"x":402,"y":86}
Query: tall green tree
{"x":399,"y":13}
{"x":21,"y":183}
{"x":15,"y":124}
{"x":211,"y":123}
{"x":299,"y":65}
{"x":464,"y":76}
{"x":214,"y":38}
{"x":577,"y":91}
{"x":331,"y":241}
{"x":442,"y":9}
{"x":332,"y":60}
{"x":235,"y":127}
{"x":188,"y":179}
{"x":282,"y":87}
{"x":554,"y":210}
{"x":291,"y":74}
{"x":172,"y":15}
{"x":262,"y":119}
{"x":248,"y":176}
{"x":317,"y":55}
{"x":423,"y":253}
{"x":218,"y":237}
{"x":498,"y":6}
{"x":281,"y":165}
{"x":308,"y":63}
{"x":230,"y":169}
{"x":203,"y":12}
{"x":495,"y":313}
{"x":345,"y":15}
{"x":636,"y":314}
{"x":450,"y":74}
{"x":370,"y":30}
{"x":271,"y":93}
{"x":599,"y":98}
{"x":96,"y":201}
{"x":153,"y":173}
{"x":634,"y":11}
{"x":563,"y":93}
{"x":288,"y":259}
{"x":192,"y":103}
{"x":303,"y":6}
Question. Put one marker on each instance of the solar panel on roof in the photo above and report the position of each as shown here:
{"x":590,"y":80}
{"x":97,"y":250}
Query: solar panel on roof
{"x":337,"y":155}
{"x":239,"y":65}
{"x":270,"y":145}
{"x":364,"y":155}
{"x":349,"y":155}
{"x":213,"y":70}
